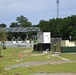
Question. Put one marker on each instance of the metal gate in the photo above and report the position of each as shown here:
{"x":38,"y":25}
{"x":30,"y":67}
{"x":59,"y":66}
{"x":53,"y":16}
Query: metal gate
{"x":56,"y":44}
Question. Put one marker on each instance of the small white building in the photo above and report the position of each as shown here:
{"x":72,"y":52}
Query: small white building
{"x":43,"y":42}
{"x":44,"y":37}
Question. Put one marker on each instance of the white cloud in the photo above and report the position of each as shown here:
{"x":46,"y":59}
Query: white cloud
{"x":27,"y":5}
{"x":4,"y":3}
{"x":34,"y":10}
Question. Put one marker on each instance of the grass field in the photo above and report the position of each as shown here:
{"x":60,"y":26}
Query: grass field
{"x":11,"y":57}
{"x":70,"y":56}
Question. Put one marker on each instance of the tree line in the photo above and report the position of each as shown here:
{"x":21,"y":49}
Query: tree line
{"x":59,"y":27}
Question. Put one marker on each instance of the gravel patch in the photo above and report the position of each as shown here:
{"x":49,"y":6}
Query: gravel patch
{"x":27,"y":64}
{"x":55,"y":74}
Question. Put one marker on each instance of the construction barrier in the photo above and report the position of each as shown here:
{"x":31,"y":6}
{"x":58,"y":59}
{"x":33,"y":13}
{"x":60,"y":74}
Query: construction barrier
{"x":68,"y":49}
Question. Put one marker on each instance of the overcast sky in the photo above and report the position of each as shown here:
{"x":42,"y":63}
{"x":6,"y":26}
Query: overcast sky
{"x":35,"y":10}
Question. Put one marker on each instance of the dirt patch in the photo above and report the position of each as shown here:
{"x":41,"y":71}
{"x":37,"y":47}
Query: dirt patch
{"x":37,"y":54}
{"x":27,"y":51}
{"x":17,"y":74}
{"x":1,"y":56}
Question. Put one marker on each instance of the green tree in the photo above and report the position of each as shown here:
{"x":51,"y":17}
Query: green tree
{"x":59,"y":27}
{"x":53,"y":27}
{"x":23,"y":21}
{"x":14,"y":24}
{"x":2,"y":38}
{"x":12,"y":34}
{"x":44,"y":25}
{"x":72,"y":23}
{"x":2,"y":25}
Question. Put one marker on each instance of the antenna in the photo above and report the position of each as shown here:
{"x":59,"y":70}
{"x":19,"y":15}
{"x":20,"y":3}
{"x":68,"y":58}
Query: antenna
{"x":57,"y":8}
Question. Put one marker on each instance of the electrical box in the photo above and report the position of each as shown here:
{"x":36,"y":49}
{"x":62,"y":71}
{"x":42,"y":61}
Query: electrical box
{"x":44,"y":37}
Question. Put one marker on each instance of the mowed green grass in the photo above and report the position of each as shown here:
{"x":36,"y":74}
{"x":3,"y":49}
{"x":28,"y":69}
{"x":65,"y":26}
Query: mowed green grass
{"x":54,"y":68}
{"x":10,"y":55}
{"x":70,"y":56}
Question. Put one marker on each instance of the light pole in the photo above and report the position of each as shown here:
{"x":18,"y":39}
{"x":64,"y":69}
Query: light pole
{"x":57,"y":8}
{"x":70,"y":37}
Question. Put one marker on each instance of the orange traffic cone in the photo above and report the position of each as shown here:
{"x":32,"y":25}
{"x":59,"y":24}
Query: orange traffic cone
{"x":20,"y":57}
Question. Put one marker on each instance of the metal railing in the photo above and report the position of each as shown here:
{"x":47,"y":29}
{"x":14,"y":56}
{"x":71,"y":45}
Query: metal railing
{"x":20,"y":29}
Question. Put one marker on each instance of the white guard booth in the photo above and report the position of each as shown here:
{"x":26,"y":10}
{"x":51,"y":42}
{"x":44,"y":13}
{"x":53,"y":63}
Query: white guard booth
{"x":44,"y":39}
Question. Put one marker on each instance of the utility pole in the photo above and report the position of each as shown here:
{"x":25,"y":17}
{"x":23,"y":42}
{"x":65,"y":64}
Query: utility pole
{"x":57,"y":8}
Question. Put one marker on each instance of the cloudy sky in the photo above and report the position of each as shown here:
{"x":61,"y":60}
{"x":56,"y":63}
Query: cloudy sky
{"x":35,"y":10}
